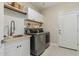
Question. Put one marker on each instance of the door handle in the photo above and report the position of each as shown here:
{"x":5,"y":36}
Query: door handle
{"x":59,"y":31}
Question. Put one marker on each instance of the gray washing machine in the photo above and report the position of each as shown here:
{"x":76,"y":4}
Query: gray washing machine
{"x":37,"y":43}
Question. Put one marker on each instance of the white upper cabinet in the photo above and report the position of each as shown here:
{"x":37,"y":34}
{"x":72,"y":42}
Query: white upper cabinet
{"x":34,"y":15}
{"x":31,"y":14}
{"x":19,"y":26}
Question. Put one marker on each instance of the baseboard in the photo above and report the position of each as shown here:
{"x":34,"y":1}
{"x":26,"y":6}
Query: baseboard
{"x":56,"y":44}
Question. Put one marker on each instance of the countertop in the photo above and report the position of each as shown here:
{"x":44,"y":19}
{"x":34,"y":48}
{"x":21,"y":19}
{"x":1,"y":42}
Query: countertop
{"x":11,"y":40}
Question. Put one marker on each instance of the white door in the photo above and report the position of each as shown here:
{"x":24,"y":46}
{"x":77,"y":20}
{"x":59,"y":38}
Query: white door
{"x":60,"y":34}
{"x":68,"y":31}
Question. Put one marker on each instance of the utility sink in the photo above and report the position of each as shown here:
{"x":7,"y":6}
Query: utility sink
{"x":16,"y":36}
{"x":12,"y":37}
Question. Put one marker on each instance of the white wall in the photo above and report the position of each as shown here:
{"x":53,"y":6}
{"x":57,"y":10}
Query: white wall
{"x":16,"y":15}
{"x":28,"y":4}
{"x":51,"y":17}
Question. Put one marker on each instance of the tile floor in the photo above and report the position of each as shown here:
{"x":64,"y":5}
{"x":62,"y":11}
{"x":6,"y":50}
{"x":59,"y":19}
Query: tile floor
{"x":58,"y":51}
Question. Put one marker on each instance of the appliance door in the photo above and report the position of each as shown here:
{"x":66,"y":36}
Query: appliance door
{"x":40,"y":44}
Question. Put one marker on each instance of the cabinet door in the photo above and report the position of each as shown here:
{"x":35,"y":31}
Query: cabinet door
{"x":40,"y":18}
{"x":19,"y":26}
{"x":37,"y":16}
{"x":25,"y":48}
{"x":31,"y":14}
{"x":20,"y":48}
{"x":34,"y":15}
{"x":11,"y":50}
{"x":2,"y":51}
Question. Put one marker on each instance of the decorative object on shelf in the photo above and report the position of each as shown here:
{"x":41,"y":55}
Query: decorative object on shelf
{"x":17,"y":5}
{"x":16,"y":9}
{"x":28,"y":24}
{"x":32,"y":24}
{"x":34,"y":21}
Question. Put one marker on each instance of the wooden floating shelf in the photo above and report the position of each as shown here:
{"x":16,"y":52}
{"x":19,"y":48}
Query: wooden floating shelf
{"x":34,"y":21}
{"x":14,"y":9}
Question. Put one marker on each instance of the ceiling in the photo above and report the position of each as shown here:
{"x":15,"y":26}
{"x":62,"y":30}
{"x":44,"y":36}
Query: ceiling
{"x":43,"y":5}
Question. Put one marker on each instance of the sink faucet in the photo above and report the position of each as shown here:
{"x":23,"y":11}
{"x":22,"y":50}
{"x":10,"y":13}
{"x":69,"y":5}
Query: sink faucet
{"x":12,"y":27}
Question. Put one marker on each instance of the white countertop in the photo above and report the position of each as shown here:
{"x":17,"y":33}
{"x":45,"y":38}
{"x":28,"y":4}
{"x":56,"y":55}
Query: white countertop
{"x":11,"y":40}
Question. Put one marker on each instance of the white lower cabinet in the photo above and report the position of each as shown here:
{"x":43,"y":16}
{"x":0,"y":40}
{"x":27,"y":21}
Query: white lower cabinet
{"x":24,"y":48}
{"x":21,"y":48}
{"x":2,"y":51}
{"x":11,"y":50}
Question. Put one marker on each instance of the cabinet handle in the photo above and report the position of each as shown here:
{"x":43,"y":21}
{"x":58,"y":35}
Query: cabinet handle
{"x":17,"y":47}
{"x":20,"y":46}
